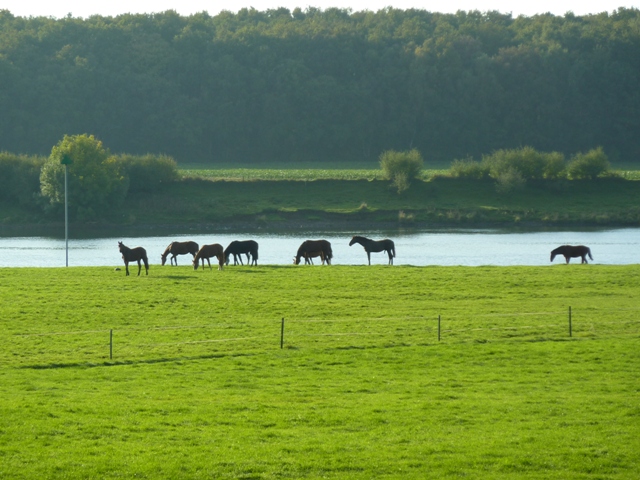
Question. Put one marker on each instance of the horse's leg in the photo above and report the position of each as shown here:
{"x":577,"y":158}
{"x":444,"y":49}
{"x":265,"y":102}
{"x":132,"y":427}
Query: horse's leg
{"x":369,"y":256}
{"x":567,"y":258}
{"x":139,"y":267}
{"x":208,"y":263}
{"x":126,"y":267}
{"x":220,"y":261}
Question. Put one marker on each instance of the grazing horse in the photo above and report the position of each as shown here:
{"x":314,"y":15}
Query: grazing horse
{"x":179,"y":248}
{"x":246,"y":247}
{"x":369,"y":245}
{"x":314,"y":248}
{"x":571,"y":251}
{"x":134,"y":255}
{"x":308,"y":257}
{"x":206,"y":252}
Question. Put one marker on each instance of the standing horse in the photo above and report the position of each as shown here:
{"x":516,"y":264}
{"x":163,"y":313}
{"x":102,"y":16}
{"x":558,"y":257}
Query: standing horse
{"x":237,"y":249}
{"x":206,"y":252}
{"x":179,"y":248}
{"x":369,"y":245}
{"x":314,"y":248}
{"x":134,"y":255}
{"x":571,"y":251}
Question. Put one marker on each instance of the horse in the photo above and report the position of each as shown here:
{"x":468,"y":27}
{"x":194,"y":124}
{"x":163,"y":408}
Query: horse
{"x":206,"y":252}
{"x":314,"y":248}
{"x":308,"y":257}
{"x":236,"y":248}
{"x":571,"y":251}
{"x":179,"y":248}
{"x":369,"y":245}
{"x":134,"y":255}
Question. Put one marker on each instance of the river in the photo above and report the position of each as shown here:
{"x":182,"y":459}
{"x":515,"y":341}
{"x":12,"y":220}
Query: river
{"x":436,"y":247}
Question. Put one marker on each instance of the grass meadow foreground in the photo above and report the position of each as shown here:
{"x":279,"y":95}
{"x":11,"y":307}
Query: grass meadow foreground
{"x":195,"y":383}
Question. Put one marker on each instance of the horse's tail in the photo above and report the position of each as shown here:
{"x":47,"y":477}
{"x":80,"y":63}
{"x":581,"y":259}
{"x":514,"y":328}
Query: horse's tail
{"x":146,"y":261}
{"x":393,"y":249}
{"x":589,"y":253}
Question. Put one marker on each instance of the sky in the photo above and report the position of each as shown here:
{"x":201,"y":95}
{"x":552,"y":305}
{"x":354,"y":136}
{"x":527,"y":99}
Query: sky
{"x":86,"y":8}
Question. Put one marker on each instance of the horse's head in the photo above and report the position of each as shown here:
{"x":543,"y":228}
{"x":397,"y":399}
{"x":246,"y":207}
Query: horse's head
{"x":121,"y":246}
{"x":164,"y":258}
{"x":353,"y":240}
{"x":296,"y":260}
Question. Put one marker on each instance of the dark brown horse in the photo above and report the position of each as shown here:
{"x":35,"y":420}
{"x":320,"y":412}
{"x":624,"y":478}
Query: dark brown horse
{"x":308,"y":257}
{"x":237,"y":249}
{"x":179,"y":248}
{"x":369,"y":245}
{"x":572,"y":251}
{"x":134,"y":255}
{"x":206,"y":252}
{"x":314,"y":248}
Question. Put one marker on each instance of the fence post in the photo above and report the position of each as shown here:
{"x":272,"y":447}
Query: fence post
{"x":111,"y":344}
{"x":438,"y":327}
{"x":282,"y":334}
{"x":570,"y":332}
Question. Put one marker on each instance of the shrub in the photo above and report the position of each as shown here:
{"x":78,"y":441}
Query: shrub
{"x":589,"y":165}
{"x":401,"y":167}
{"x":469,"y":168}
{"x":530,"y":163}
{"x":509,"y":181}
{"x":147,"y":173}
{"x":20,"y":178}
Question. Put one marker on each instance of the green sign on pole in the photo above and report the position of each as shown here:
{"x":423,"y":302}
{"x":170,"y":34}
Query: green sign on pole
{"x":65,"y":160}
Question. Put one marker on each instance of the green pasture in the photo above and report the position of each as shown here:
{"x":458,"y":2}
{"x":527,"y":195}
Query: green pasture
{"x":269,"y":204}
{"x":198,"y":385}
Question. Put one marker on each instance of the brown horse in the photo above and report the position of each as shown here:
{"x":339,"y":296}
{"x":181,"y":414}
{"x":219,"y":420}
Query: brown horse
{"x":308,"y":258}
{"x":179,"y":248}
{"x":134,"y":255}
{"x":571,"y":251}
{"x":314,"y":248}
{"x":206,"y":252}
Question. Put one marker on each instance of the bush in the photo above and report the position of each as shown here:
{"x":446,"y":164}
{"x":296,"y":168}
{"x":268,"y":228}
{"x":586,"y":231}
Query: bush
{"x":401,"y":167}
{"x":530,"y":163}
{"x":589,"y":165}
{"x":147,"y":173}
{"x":509,"y":181}
{"x":469,"y":168}
{"x":20,"y":178}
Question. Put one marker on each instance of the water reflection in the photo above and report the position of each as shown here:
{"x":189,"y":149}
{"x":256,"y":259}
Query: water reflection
{"x":437,"y":247}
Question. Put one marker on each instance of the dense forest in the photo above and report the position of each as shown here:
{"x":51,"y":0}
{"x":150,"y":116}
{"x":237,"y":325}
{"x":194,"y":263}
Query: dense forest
{"x":322,"y":85}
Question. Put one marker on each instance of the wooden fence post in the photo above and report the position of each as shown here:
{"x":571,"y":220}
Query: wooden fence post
{"x":282,"y":334}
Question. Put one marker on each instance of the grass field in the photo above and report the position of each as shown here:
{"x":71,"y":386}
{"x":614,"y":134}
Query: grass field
{"x":269,"y":204}
{"x":198,"y":386}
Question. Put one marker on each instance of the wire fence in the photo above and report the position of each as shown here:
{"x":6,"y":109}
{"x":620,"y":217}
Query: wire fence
{"x":136,"y":344}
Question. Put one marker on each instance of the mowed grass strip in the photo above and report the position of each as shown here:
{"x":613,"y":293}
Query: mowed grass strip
{"x":362,"y":389}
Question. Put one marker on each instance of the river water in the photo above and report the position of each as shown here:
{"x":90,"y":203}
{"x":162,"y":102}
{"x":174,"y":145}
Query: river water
{"x":435,"y":247}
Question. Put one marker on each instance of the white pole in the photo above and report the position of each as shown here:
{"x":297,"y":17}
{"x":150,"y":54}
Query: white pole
{"x":66,"y":218}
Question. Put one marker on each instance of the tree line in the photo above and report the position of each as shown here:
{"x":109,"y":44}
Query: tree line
{"x":323,"y":85}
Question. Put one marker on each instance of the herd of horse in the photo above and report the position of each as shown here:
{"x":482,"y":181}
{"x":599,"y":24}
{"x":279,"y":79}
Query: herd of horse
{"x":308,"y":250}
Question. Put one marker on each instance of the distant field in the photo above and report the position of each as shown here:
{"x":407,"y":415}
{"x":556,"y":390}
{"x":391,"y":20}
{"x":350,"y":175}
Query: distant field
{"x":294,"y":172}
{"x":198,"y":386}
{"x":331,"y":172}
